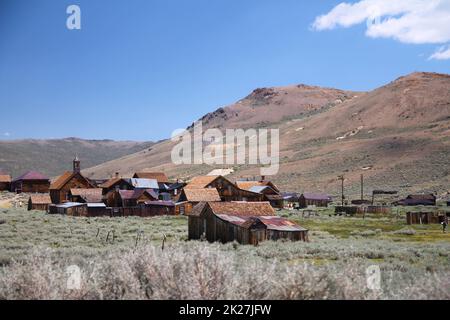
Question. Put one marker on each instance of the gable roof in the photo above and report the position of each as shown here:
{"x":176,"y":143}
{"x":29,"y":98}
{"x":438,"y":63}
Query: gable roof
{"x":5,"y":178}
{"x":273,"y":223}
{"x":93,"y":195}
{"x":40,"y":199}
{"x":316,"y":196}
{"x":111,"y":182}
{"x":201,"y":182}
{"x":247,"y":185}
{"x":31,"y":175}
{"x":242,"y":209}
{"x":158,"y":176}
{"x":201,"y":194}
{"x":62,"y":180}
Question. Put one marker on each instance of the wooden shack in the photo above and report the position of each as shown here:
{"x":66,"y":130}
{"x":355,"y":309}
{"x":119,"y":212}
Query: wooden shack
{"x":61,"y":187}
{"x":435,"y":217}
{"x":5,"y":182}
{"x":69,"y":208}
{"x":228,"y":191}
{"x":39,"y":202}
{"x":418,"y":200}
{"x":31,"y":182}
{"x":244,"y":222}
{"x":165,"y":208}
{"x":190,"y":197}
{"x":314,"y":199}
{"x":133,"y":198}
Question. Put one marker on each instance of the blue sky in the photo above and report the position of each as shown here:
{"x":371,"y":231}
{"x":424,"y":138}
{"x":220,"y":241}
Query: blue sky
{"x":137,"y":70}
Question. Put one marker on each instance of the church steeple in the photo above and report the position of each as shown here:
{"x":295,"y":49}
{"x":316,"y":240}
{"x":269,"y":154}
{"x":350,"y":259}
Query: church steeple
{"x":76,"y":165}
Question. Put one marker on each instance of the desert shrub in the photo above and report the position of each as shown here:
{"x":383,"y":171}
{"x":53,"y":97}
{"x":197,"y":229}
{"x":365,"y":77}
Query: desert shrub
{"x":204,"y":271}
{"x":405,"y":231}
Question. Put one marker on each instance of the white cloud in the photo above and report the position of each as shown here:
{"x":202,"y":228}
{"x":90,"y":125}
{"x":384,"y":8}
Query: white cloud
{"x":407,"y":21}
{"x":7,"y":134}
{"x":443,"y":53}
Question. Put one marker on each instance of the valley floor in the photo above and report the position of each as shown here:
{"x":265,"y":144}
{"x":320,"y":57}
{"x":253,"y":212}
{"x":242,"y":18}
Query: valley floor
{"x":123,"y":258}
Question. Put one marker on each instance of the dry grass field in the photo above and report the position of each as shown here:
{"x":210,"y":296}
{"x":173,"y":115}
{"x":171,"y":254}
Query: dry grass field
{"x":123,"y":258}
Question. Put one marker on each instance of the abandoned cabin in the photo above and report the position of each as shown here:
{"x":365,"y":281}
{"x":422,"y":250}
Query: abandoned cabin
{"x":39,"y":202}
{"x":5,"y":181}
{"x":190,"y":197}
{"x":314,"y":199}
{"x":267,"y":189}
{"x":169,"y":208}
{"x":244,"y":222}
{"x":136,"y":197}
{"x":228,"y":191}
{"x":30,"y":182}
{"x":60,"y":189}
{"x":436,"y":217}
{"x":418,"y":200}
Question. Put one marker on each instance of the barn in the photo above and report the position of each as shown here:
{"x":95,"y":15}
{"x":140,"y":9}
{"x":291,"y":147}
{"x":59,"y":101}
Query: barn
{"x":39,"y":202}
{"x":5,"y":182}
{"x":244,"y":222}
{"x":190,"y":197}
{"x":228,"y":191}
{"x":60,"y":188}
{"x":314,"y":199}
{"x":31,"y":182}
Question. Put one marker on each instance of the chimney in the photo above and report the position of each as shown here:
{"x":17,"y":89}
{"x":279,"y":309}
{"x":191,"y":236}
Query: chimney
{"x":117,"y":175}
{"x":263,"y":178}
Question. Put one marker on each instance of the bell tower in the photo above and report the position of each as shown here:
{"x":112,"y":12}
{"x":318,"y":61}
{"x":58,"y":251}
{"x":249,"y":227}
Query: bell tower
{"x":76,"y":165}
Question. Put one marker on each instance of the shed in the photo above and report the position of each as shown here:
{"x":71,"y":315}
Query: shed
{"x":5,"y":182}
{"x":314,"y":199}
{"x":31,"y":182}
{"x":70,"y":209}
{"x":39,"y":202}
{"x":435,"y":217}
{"x":244,"y":222}
{"x":165,"y":208}
{"x":97,"y":210}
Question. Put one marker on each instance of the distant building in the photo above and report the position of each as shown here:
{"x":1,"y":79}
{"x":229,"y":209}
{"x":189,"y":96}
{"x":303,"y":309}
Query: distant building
{"x":227,"y":190}
{"x":190,"y":197}
{"x":269,"y":191}
{"x":418,"y":200}
{"x":39,"y":202}
{"x":165,"y":208}
{"x":314,"y":199}
{"x":160,"y":177}
{"x":92,"y":195}
{"x":133,"y":198}
{"x":61,"y":187}
{"x":31,"y":182}
{"x":5,"y":182}
{"x":244,"y":222}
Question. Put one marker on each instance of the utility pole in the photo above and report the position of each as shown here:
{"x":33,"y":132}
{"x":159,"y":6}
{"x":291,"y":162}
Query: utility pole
{"x":341,"y":177}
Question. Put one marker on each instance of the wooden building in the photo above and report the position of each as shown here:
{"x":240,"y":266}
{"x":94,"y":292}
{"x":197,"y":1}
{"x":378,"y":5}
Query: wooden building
{"x":93,"y":195}
{"x":115,"y":184}
{"x":244,"y":222}
{"x":435,"y":217}
{"x":165,"y":208}
{"x":5,"y":182}
{"x":133,"y":198}
{"x":314,"y":199}
{"x":228,"y":191}
{"x":61,"y":187}
{"x":39,"y":202}
{"x":190,"y":197}
{"x":418,"y":200}
{"x":70,"y":209}
{"x":31,"y":182}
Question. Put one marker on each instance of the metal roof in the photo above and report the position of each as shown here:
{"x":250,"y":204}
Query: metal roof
{"x":144,"y":183}
{"x":96,"y":205}
{"x":70,"y":204}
